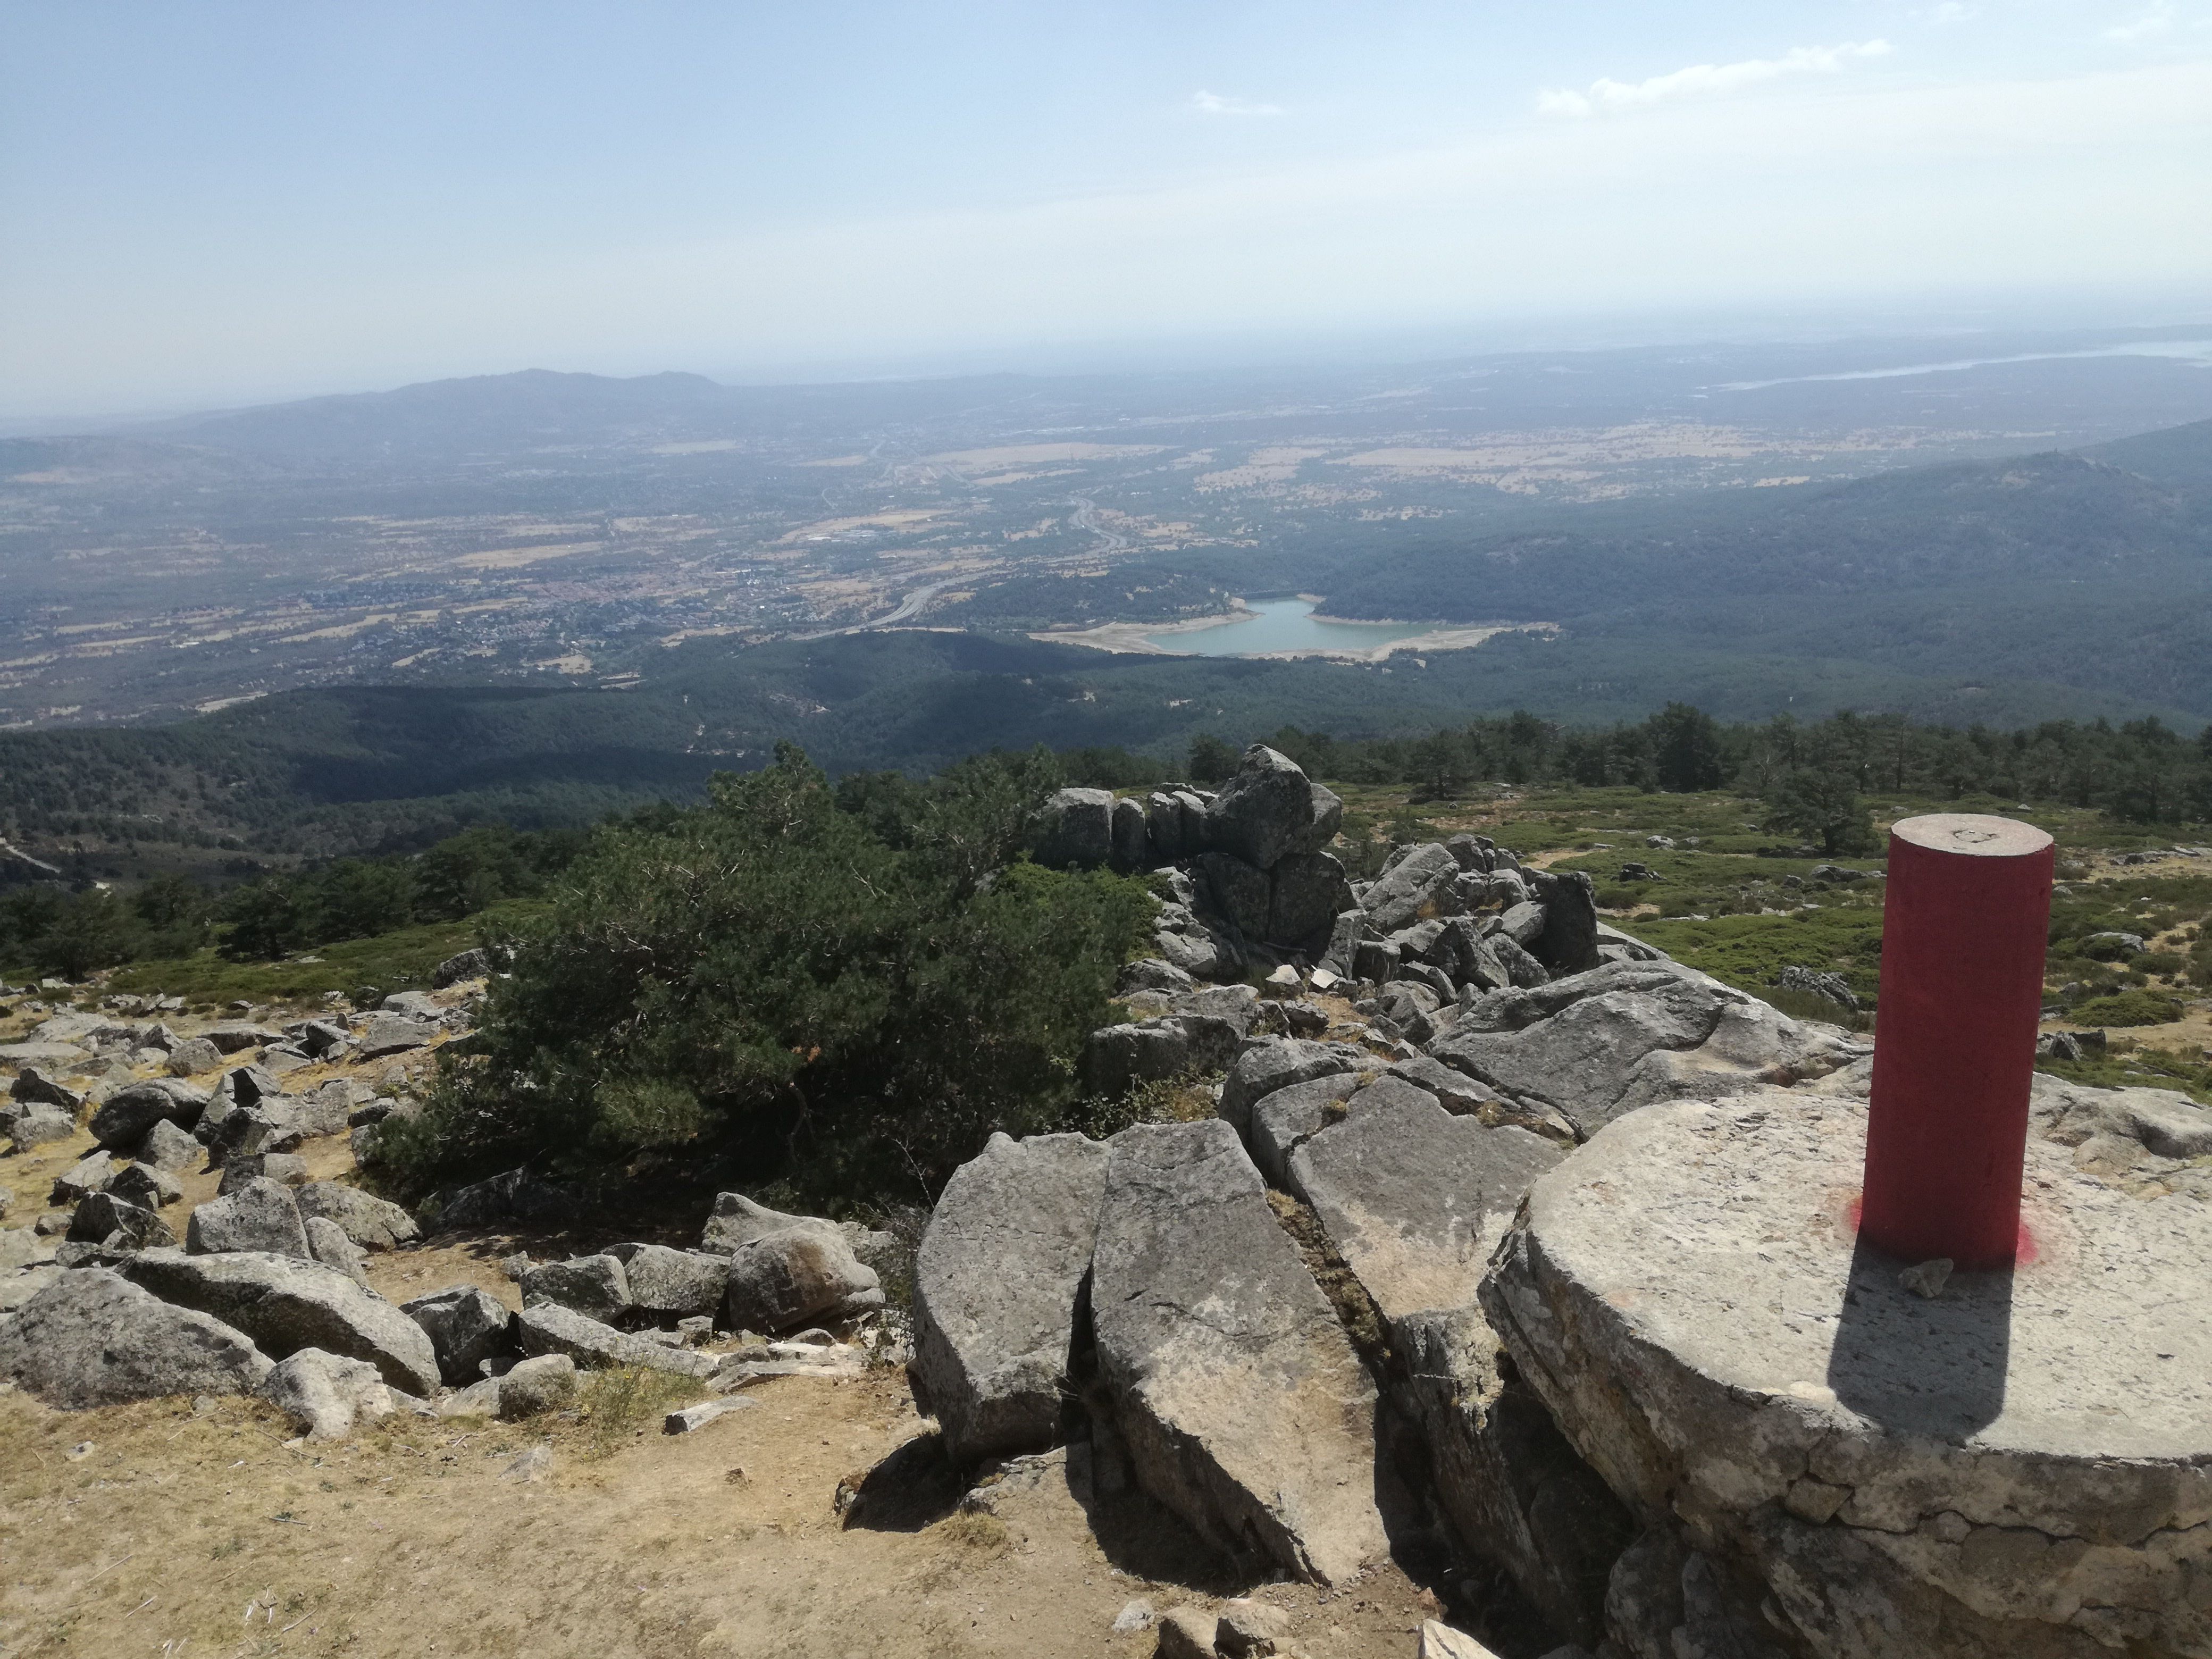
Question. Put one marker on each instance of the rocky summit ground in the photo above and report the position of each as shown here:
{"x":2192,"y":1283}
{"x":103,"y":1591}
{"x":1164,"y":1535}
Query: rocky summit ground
{"x":1275,"y":1370}
{"x":207,"y":1527}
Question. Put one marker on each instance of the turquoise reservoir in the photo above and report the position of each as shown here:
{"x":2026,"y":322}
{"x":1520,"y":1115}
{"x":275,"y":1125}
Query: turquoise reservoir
{"x":1284,"y":625}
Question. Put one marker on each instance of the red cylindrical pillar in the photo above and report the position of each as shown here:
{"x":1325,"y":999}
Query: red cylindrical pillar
{"x":1964,"y":926}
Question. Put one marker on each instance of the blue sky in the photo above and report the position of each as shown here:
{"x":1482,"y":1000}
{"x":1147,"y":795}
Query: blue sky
{"x":219,"y":202}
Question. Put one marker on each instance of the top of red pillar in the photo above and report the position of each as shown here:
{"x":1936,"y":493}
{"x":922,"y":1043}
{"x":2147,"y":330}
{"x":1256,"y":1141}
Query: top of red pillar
{"x":1972,"y":833}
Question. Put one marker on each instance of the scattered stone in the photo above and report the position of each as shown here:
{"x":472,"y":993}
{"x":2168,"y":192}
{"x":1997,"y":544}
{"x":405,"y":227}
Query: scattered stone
{"x":89,"y":1175}
{"x":1419,"y":886}
{"x":64,"y":1059}
{"x":543,"y":1383}
{"x":530,"y":1466}
{"x":1243,"y":1406}
{"x":1597,"y":1045}
{"x":253,"y":1131}
{"x":167,"y":1147}
{"x":285,"y":1168}
{"x":104,"y":1219}
{"x":394,"y":1034}
{"x":1308,"y":892}
{"x":238,"y":1036}
{"x":287,"y":1303}
{"x":1136,"y":1614}
{"x":129,"y":1113}
{"x":466,"y":1326}
{"x":1281,"y":1121}
{"x":995,"y":1287}
{"x":372,"y":1223}
{"x":328,"y":1244}
{"x":1413,"y":1199}
{"x":798,"y":1275}
{"x":90,"y":1338}
{"x":325,"y":1394}
{"x":1829,"y":987}
{"x":193,"y":1056}
{"x":547,"y":1328}
{"x":1151,"y":974}
{"x":593,"y":1286}
{"x":41,"y":1125}
{"x":146,"y":1186}
{"x":479,"y":1398}
{"x":665,"y":1284}
{"x":699,"y":1416}
{"x":259,"y":1216}
{"x":1117,"y":1057}
{"x":1568,"y":943}
{"x":31,"y":1084}
{"x":735,"y":1219}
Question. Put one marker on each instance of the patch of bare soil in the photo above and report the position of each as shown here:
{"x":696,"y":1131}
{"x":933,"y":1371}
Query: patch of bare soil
{"x":205,"y":1531}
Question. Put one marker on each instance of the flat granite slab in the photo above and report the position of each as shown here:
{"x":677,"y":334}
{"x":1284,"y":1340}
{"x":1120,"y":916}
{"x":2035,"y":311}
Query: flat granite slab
{"x":2020,"y":1463}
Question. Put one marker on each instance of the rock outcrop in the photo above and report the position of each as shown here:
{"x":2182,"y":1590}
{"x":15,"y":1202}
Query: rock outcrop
{"x":998,"y":1288}
{"x":1245,"y":1407}
{"x":1598,"y":1044}
{"x":2019,"y":1465}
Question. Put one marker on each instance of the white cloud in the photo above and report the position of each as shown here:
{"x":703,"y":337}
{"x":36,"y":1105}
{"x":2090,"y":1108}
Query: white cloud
{"x":1211,"y":103}
{"x":1706,"y":80}
{"x":2156,"y":20}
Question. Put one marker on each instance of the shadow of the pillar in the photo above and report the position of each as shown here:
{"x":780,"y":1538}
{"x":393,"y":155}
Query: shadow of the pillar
{"x":1921,"y":1366}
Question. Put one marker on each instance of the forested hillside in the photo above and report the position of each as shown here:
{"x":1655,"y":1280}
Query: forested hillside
{"x":2089,"y":570}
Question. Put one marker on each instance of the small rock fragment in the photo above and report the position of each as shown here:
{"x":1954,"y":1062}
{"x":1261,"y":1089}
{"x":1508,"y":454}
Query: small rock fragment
{"x":1928,"y":1278}
{"x":1186,"y":1633}
{"x":699,"y":1416}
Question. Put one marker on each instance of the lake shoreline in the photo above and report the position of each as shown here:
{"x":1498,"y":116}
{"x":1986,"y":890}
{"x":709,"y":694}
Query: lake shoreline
{"x":1144,"y":639}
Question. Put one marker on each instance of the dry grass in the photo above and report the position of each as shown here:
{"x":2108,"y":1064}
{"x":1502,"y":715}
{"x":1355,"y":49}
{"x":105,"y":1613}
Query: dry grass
{"x":620,"y":1404}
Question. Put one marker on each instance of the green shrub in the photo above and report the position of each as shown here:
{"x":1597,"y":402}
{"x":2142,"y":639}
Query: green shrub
{"x":850,"y":999}
{"x":2127,"y":1008}
{"x":2159,"y":962}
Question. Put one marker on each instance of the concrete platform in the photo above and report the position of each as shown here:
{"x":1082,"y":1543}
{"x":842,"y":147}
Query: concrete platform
{"x":2021,"y":1465}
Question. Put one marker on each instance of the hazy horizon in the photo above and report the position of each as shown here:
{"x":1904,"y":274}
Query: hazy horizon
{"x":243,"y":204}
